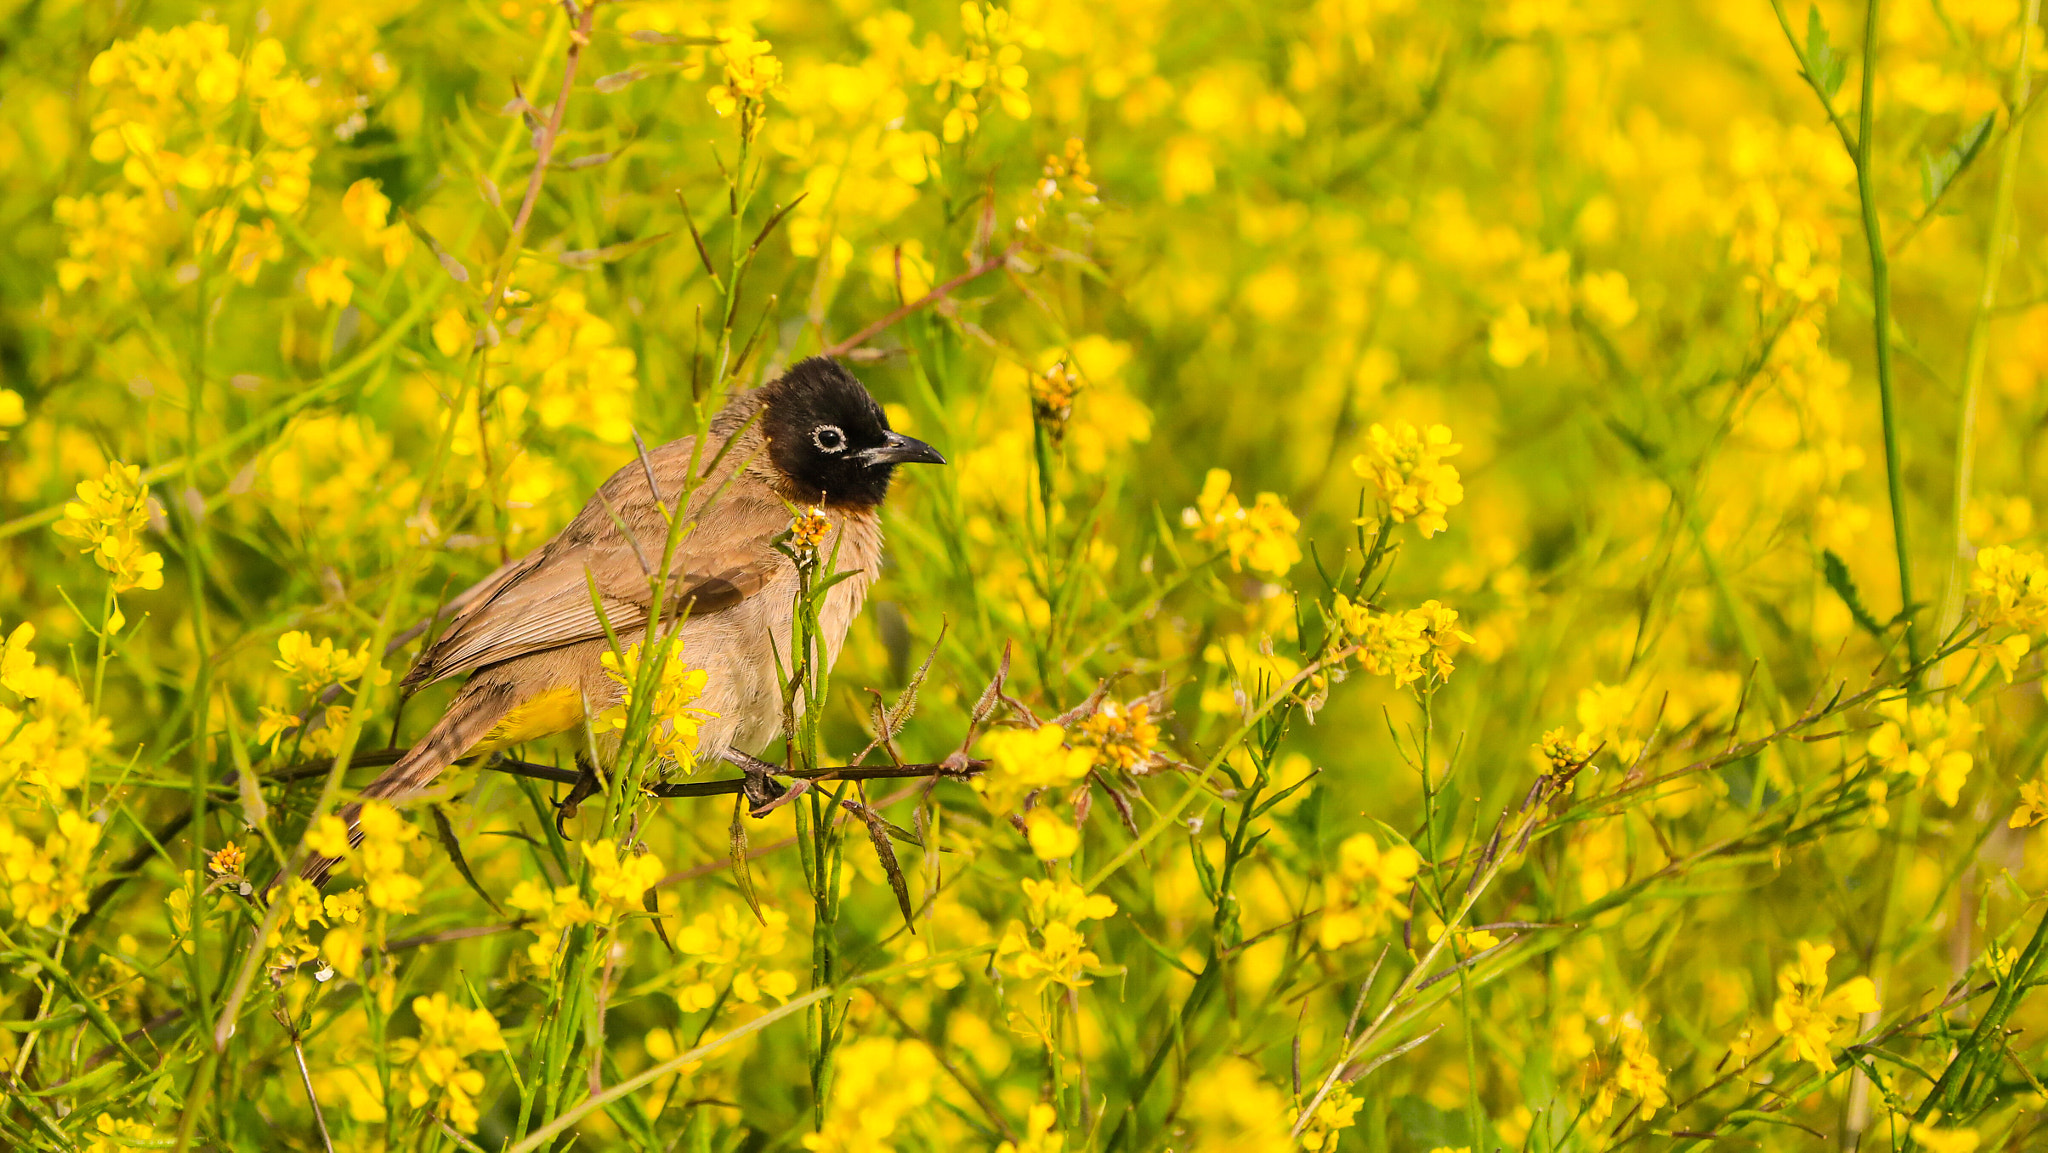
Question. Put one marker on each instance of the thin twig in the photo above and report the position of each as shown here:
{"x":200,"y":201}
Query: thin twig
{"x":928,"y":299}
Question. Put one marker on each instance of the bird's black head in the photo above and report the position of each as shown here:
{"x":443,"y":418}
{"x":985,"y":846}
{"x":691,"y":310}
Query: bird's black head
{"x":830,"y":440}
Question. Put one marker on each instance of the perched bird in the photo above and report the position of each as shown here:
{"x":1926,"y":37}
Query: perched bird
{"x":532,"y":643}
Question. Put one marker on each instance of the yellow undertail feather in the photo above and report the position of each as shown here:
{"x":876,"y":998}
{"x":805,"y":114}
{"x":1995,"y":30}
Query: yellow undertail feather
{"x":554,"y":711}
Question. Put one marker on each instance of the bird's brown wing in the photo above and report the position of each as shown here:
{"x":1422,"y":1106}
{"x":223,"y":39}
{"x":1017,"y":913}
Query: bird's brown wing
{"x":545,"y":603}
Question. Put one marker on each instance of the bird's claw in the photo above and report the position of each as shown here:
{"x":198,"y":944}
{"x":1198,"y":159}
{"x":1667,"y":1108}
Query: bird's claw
{"x":587,"y":786}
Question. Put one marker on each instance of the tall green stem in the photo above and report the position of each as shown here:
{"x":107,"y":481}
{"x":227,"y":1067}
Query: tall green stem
{"x":1881,"y":320}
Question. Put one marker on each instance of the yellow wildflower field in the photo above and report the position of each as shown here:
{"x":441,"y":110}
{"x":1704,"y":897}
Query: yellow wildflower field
{"x":1488,"y":593}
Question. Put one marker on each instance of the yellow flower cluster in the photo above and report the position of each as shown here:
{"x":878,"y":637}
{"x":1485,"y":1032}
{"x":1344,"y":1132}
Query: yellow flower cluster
{"x":337,"y":484}
{"x":49,"y":735}
{"x":172,"y":118}
{"x":992,"y":70}
{"x":1231,"y":1108}
{"x":1807,"y":1014}
{"x":2012,"y":585}
{"x":1416,"y":645}
{"x":13,"y":411}
{"x":1406,"y":467}
{"x":1261,"y":537}
{"x":317,"y":664}
{"x":880,"y":1083}
{"x":436,"y":1063}
{"x":1366,"y":890}
{"x":1041,"y":1133}
{"x":368,"y":212}
{"x":117,"y":1136}
{"x":728,"y":951}
{"x":1636,"y":1075}
{"x":751,"y":73}
{"x":1337,"y":1112}
{"x":576,"y":372}
{"x":1564,"y":753}
{"x":109,"y":516}
{"x":676,"y":724}
{"x":1023,"y":762}
{"x":1051,"y":948}
{"x":807,"y":531}
{"x":1919,"y":739}
{"x":313,"y":666}
{"x":380,"y":859}
{"x":617,"y":888}
{"x":292,"y":941}
{"x":1124,"y":736}
{"x":43,"y":881}
{"x":2033,"y":806}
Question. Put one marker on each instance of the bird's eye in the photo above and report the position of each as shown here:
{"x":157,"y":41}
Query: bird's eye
{"x":828,"y":438}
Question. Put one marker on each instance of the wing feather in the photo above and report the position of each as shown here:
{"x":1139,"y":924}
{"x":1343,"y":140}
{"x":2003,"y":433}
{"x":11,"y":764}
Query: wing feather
{"x":545,"y":602}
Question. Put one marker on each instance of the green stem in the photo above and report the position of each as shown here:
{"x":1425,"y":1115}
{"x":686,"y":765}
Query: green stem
{"x":1881,"y":319}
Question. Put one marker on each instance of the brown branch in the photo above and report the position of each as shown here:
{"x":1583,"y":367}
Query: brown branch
{"x":925,"y":301}
{"x":544,"y":148}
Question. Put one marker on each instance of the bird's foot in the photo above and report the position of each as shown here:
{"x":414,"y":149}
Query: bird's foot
{"x":763,"y":792}
{"x":587,"y":786}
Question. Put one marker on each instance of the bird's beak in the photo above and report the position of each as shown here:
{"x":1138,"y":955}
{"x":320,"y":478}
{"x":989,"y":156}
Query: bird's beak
{"x":899,"y":449}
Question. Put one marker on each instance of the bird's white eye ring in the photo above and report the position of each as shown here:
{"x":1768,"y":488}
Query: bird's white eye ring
{"x":828,"y":438}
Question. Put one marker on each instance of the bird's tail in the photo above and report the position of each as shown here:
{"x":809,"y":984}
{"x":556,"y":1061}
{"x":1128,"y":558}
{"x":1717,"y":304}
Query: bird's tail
{"x":472,"y":714}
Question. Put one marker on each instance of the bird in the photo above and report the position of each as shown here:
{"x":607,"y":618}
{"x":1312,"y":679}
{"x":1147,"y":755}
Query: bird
{"x":533,"y":645}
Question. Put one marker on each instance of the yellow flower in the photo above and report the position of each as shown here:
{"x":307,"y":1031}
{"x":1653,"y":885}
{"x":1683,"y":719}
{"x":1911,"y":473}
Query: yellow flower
{"x":1124,"y":737}
{"x":807,"y":531}
{"x":437,"y":1070}
{"x":1261,"y":537}
{"x":329,"y":837}
{"x":40,"y":882}
{"x":12,"y":411}
{"x":618,"y":886}
{"x":1512,"y":338}
{"x":1231,"y":1108}
{"x":751,"y":73}
{"x":1041,"y":1133}
{"x":1416,"y":645}
{"x":1564,"y":752}
{"x":227,"y":861}
{"x":729,"y":948}
{"x":2012,"y":587}
{"x":1050,"y":947}
{"x":118,"y":1136}
{"x":2033,"y":806}
{"x":109,"y":516}
{"x":1935,"y":1140}
{"x":1808,"y":1014}
{"x":880,"y":1084}
{"x":328,"y":284}
{"x":677,"y":722}
{"x":319,"y":664}
{"x":1052,"y":839}
{"x":379,"y":859}
{"x":1919,"y":739}
{"x":1407,"y":467}
{"x":1337,"y":1112}
{"x":1366,"y":890}
{"x":451,"y":333}
{"x":1023,"y":761}
{"x":1606,"y":297}
{"x":1636,"y":1074}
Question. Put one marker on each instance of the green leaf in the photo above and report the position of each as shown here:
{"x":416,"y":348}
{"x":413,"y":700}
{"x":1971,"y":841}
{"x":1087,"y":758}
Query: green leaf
{"x":445,"y":832}
{"x":736,"y":847}
{"x":1824,"y":65}
{"x":1837,"y":574}
{"x":1936,"y":174}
